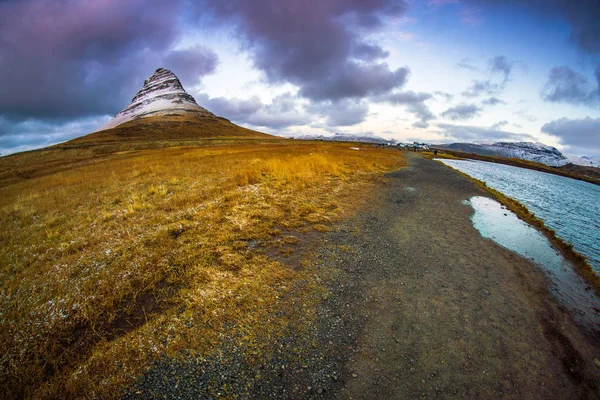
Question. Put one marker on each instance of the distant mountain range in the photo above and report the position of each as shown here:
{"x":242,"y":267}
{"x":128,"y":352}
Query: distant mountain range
{"x":585,"y":160}
{"x":536,"y":152}
{"x":348,"y":137}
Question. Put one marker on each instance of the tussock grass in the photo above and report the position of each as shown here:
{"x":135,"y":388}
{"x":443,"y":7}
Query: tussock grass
{"x":108,"y":265}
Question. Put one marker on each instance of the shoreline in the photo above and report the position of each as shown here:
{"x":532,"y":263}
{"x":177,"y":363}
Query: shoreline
{"x":580,"y":262}
{"x":515,"y":162}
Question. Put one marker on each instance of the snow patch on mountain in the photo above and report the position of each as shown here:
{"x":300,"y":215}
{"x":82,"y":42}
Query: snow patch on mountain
{"x":162,"y":94}
{"x":537,"y":152}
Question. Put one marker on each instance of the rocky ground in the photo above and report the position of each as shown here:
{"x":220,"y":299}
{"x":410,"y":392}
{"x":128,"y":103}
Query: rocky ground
{"x":418,"y":305}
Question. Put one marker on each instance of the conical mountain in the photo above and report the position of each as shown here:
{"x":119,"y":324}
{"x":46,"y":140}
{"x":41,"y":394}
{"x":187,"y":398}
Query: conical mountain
{"x":162,"y":94}
{"x":163,"y":110}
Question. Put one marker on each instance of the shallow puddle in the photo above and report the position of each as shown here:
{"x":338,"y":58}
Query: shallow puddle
{"x":502,"y":226}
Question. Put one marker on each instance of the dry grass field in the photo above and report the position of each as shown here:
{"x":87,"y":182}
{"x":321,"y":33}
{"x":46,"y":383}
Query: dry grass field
{"x":110,"y":260}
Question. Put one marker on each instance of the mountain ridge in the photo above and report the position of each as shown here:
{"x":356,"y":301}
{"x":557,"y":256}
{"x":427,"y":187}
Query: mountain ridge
{"x":537,"y":152}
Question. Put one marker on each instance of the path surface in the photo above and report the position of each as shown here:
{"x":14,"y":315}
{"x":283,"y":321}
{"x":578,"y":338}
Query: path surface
{"x":418,"y":305}
{"x":437,"y":311}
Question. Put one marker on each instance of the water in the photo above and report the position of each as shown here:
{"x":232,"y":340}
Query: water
{"x":569,"y":206}
{"x":502,"y":226}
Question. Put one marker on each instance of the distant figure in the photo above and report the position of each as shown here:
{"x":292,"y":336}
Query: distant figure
{"x":435,"y":152}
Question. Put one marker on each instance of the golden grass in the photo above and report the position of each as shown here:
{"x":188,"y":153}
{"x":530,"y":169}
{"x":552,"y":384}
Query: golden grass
{"x":108,"y":265}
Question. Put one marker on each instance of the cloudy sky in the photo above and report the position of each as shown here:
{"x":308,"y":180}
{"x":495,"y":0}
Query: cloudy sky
{"x":430,"y":70}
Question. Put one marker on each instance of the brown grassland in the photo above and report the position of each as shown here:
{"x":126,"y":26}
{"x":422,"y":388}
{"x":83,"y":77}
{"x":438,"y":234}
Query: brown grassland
{"x":113,"y":255}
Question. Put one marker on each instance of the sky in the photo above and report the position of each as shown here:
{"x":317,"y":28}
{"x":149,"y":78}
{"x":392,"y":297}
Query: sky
{"x":436,"y":71}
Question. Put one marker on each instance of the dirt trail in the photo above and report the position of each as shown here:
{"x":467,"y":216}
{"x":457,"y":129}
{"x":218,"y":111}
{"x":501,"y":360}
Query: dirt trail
{"x":440,"y":312}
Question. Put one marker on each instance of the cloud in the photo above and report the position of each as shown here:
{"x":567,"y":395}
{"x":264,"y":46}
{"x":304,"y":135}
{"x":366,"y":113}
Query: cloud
{"x":235,"y":109}
{"x":22,"y":135}
{"x":354,"y":81}
{"x":345,"y":113}
{"x":492,"y":101}
{"x":465,"y":63}
{"x":414,"y":102}
{"x":315,"y":48}
{"x":468,"y":133}
{"x":73,"y":58}
{"x":191,"y":64}
{"x":282,"y":112}
{"x":499,"y":124}
{"x":445,"y":95}
{"x":500,"y":69}
{"x":66,"y":60}
{"x":462,"y":112}
{"x":580,"y":135}
{"x":369,"y":52}
{"x":567,"y":86}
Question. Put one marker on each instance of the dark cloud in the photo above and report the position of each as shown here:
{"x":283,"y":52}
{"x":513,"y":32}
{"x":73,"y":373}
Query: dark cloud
{"x":21,"y":135}
{"x":315,"y":47}
{"x":354,"y":81}
{"x":468,"y":133}
{"x":73,"y":58}
{"x":421,"y":111}
{"x":492,"y":101}
{"x":64,"y":60}
{"x":346,"y":113}
{"x":499,"y":124}
{"x":500,"y":69}
{"x":414,"y":102}
{"x":191,"y":64}
{"x":580,"y":135}
{"x":567,"y":86}
{"x":462,"y":112}
{"x":369,"y":52}
{"x":282,"y":112}
{"x":235,"y":109}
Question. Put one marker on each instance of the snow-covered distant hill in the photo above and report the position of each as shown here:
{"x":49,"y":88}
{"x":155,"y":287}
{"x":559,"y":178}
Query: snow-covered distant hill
{"x":536,"y":152}
{"x":348,"y":137}
{"x":584,"y":160}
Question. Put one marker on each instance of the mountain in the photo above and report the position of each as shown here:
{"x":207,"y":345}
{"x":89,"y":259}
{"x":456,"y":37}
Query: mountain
{"x":348,"y":137}
{"x":163,"y":111}
{"x":584,"y":160}
{"x":536,"y":152}
{"x":162,"y":94}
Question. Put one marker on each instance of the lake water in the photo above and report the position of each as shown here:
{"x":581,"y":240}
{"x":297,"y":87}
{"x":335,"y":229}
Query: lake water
{"x":494,"y":221}
{"x":569,"y":206}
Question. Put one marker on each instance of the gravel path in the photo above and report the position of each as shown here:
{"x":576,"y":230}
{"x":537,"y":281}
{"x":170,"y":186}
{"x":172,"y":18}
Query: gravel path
{"x":419,"y":305}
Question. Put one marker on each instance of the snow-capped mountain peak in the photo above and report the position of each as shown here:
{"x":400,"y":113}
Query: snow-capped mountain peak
{"x":162,"y":93}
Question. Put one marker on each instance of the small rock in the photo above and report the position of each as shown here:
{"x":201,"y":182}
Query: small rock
{"x":486,"y":292}
{"x":597,"y":362}
{"x":354,"y":376}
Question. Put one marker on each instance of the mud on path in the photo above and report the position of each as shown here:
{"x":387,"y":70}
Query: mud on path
{"x":434,"y":310}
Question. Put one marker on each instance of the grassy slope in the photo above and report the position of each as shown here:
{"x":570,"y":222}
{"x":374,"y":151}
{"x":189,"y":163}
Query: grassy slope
{"x":117,"y":252}
{"x":146,"y":133}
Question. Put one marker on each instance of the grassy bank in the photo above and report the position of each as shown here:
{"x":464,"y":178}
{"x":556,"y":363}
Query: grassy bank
{"x":112,"y":263}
